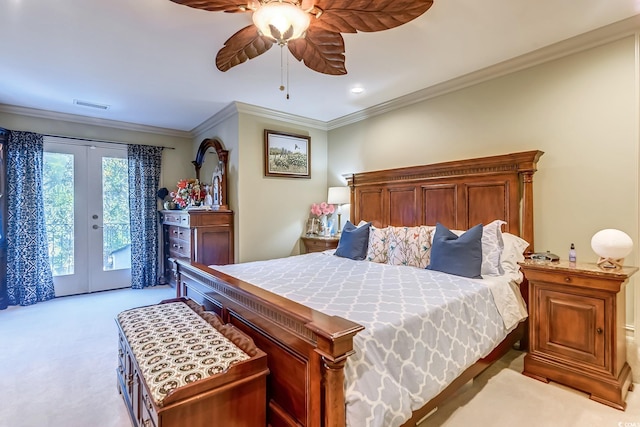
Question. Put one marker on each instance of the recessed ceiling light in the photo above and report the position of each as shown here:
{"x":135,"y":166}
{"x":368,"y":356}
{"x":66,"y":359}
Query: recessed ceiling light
{"x":357,"y":90}
{"x":90,"y":104}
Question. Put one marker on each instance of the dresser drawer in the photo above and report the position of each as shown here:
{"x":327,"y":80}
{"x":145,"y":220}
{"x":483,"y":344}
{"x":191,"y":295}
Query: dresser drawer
{"x":178,"y":233}
{"x":176,"y":218}
{"x":179,"y":248}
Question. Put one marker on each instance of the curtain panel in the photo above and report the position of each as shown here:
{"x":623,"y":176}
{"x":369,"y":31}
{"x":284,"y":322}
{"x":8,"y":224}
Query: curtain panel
{"x":144,"y":176}
{"x":29,"y":277}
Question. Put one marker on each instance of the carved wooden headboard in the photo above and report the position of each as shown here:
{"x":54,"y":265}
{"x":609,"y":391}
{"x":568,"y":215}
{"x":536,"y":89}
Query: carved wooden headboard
{"x":458,"y":194}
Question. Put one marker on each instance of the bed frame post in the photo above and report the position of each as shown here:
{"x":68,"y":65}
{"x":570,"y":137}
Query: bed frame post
{"x":334,"y":400}
{"x":527,"y":166}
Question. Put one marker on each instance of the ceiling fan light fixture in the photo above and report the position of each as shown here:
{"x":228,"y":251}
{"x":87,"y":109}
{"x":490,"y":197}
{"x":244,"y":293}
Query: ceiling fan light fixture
{"x":281,"y":20}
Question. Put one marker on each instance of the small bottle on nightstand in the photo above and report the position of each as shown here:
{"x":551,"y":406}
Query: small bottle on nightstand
{"x":572,"y":255}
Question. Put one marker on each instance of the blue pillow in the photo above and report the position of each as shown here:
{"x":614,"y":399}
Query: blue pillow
{"x":461,"y":255}
{"x":354,"y":241}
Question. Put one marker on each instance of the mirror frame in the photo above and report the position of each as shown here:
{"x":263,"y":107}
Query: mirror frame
{"x":223,"y":156}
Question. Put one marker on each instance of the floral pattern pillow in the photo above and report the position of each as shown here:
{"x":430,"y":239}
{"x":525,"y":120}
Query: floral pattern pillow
{"x":410,"y":245}
{"x":378,"y":249}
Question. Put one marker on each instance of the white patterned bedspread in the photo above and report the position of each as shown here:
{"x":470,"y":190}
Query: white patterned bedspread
{"x":422,"y":328}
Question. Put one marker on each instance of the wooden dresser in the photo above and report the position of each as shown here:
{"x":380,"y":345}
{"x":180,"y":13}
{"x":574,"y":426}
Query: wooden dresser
{"x":577,"y":328}
{"x":201,"y":236}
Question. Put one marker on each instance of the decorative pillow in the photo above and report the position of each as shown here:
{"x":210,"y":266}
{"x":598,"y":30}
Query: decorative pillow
{"x":492,"y":246}
{"x":353,"y":242}
{"x":512,"y":254}
{"x":378,"y":250}
{"x":459,"y":255}
{"x":409,"y":245}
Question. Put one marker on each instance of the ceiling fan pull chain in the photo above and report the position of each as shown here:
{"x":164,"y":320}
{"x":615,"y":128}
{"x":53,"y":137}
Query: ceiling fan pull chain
{"x":284,"y":69}
{"x":287,"y":53}
{"x":281,"y":69}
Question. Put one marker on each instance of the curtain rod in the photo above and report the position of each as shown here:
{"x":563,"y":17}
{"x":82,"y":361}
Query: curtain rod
{"x":104,"y":141}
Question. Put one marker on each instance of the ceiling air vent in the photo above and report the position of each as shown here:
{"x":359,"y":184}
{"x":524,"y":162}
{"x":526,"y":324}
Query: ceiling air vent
{"x":90,"y":104}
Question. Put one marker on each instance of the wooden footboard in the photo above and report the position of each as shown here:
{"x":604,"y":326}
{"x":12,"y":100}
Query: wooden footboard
{"x":306,"y":349}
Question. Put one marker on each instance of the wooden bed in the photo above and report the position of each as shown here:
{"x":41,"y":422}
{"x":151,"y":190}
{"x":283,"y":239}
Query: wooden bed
{"x":306,"y":349}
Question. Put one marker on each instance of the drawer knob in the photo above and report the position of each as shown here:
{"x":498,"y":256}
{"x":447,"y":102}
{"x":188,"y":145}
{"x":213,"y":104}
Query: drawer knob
{"x":567,"y":279}
{"x":599,"y":331}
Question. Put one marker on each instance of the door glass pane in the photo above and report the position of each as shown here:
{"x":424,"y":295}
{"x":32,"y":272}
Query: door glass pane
{"x":58,"y":211}
{"x":116,"y":248}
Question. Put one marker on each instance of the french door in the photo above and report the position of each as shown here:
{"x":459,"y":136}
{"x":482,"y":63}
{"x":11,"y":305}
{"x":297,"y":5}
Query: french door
{"x":86,"y":202}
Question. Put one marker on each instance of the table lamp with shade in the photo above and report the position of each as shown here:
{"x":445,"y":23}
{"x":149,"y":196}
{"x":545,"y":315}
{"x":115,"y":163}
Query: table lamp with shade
{"x":339,"y":196}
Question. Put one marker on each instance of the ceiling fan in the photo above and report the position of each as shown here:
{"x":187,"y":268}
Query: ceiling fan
{"x":311,"y":29}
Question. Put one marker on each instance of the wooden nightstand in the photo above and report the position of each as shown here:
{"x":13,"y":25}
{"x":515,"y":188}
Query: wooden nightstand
{"x":577,"y":328}
{"x":319,"y":243}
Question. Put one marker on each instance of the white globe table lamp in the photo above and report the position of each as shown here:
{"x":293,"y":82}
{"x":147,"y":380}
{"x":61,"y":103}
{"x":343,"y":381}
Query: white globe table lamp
{"x":612,"y":246}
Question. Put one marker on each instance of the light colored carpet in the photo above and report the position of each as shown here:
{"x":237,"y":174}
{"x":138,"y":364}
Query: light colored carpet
{"x":58,"y":360}
{"x":502,"y":397}
{"x":58,"y":369}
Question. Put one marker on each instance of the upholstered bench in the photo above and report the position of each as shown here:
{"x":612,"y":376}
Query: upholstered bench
{"x":181,"y":366}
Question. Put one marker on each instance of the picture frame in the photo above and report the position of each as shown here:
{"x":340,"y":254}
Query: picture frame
{"x":286,"y":155}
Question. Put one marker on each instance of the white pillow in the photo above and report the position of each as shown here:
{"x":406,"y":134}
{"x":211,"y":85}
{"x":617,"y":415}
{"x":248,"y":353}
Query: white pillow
{"x":492,"y":246}
{"x":512,"y":254}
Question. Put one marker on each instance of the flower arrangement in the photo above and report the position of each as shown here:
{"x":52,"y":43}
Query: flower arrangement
{"x":320,"y":209}
{"x":189,"y":192}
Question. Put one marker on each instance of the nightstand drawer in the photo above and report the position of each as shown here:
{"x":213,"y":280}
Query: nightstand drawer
{"x":319,"y":244}
{"x":574,"y":278}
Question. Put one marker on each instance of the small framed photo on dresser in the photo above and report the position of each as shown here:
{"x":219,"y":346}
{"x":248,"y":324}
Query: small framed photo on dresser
{"x":287,"y":155}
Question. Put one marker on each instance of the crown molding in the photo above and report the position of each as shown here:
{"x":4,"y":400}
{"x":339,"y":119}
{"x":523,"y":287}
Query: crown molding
{"x":601,"y":36}
{"x":237,"y":107}
{"x":281,"y":116}
{"x":213,"y":121}
{"x":94,"y":121}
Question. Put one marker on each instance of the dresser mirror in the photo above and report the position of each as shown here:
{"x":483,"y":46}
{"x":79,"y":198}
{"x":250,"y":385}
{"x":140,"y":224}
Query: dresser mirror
{"x":211,"y":170}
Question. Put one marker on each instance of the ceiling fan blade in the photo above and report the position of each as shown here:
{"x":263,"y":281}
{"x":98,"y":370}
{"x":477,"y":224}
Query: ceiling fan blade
{"x":215,"y":5}
{"x":244,"y":45}
{"x":346,"y":16}
{"x":322,"y":51}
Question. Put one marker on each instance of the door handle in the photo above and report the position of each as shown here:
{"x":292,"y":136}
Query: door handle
{"x":96,"y":226}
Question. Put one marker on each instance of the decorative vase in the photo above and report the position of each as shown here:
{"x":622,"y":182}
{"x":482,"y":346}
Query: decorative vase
{"x":312,"y":226}
{"x":324,"y":226}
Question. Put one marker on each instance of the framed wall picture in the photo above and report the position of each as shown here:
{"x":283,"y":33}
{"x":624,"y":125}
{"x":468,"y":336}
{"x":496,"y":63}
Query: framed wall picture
{"x":287,"y":155}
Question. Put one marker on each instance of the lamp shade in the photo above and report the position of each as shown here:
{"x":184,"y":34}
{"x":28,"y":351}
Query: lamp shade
{"x":339,"y":195}
{"x":281,"y":20}
{"x":611,"y":243}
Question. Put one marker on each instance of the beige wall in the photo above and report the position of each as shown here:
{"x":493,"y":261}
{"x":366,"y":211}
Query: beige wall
{"x":274,"y":210}
{"x":580,"y":110}
{"x":176,"y":163}
{"x":270,"y":213}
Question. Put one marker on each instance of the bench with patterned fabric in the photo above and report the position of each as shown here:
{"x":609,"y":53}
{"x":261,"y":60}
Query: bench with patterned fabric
{"x":180,"y":365}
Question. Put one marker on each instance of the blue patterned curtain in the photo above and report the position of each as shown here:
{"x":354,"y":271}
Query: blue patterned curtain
{"x":144,"y":175}
{"x":29,"y":277}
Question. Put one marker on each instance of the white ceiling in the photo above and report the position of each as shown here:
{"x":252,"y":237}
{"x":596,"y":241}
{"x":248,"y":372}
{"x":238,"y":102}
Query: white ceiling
{"x":153,"y":61}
